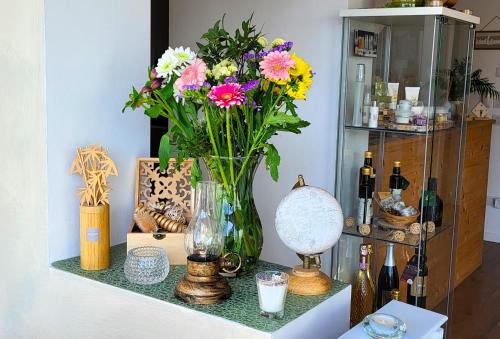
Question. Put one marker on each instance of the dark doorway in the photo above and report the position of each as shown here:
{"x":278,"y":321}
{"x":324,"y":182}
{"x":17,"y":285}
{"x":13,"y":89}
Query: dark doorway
{"x":159,"y":43}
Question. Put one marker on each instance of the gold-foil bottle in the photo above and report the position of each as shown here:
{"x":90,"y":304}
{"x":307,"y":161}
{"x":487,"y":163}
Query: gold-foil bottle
{"x":363,"y":293}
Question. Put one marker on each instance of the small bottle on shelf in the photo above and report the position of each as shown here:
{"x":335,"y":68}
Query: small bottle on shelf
{"x":363,"y":293}
{"x":397,"y":183}
{"x":359,"y":86}
{"x":368,"y":163}
{"x":416,"y":293}
{"x":388,"y":278}
{"x":373,"y":119}
{"x":365,"y":198}
{"x":366,"y":106}
{"x":431,"y":205}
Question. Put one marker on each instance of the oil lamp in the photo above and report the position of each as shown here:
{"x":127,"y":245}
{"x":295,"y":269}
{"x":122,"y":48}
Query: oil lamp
{"x":204,"y":239}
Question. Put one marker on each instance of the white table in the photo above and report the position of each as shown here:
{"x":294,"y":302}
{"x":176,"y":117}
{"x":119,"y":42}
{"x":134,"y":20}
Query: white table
{"x":420,"y":323}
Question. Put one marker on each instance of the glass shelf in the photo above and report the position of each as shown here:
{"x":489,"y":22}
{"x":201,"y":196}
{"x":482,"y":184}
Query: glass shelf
{"x":396,"y":131}
{"x":384,"y":234}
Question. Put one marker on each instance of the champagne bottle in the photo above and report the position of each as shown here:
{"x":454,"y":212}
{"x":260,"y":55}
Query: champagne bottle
{"x":365,"y":199}
{"x":416,"y":293}
{"x":432,"y":206}
{"x":388,"y":278}
{"x":397,"y":183}
{"x":363,"y":293}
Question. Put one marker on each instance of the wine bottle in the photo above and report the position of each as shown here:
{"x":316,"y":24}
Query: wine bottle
{"x":397,"y":183}
{"x":363,"y":293}
{"x":416,"y":293}
{"x":359,"y":86}
{"x":388,"y":278}
{"x":431,"y":205}
{"x":365,"y":199}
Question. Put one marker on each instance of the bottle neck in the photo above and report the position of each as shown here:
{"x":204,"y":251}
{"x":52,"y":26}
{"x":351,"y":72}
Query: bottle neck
{"x":396,"y":170}
{"x":368,"y":162}
{"x":363,"y":262}
{"x":389,"y":256}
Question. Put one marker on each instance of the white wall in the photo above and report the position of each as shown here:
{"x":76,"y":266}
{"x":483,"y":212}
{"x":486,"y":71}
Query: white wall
{"x":315,"y":28}
{"x":95,"y":51}
{"x":36,"y":301}
{"x":488,"y":61}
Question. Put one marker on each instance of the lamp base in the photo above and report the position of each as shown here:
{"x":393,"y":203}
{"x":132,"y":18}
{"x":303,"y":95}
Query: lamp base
{"x":202,"y":283}
{"x":308,"y":281}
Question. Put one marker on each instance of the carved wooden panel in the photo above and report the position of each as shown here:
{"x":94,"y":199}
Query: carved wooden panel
{"x":171,"y":186}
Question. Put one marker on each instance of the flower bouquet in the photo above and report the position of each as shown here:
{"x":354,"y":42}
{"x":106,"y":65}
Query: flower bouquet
{"x":224,"y":104}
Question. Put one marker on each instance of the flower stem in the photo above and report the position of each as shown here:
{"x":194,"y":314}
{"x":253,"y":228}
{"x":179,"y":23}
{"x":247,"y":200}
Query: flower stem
{"x":219,"y":164}
{"x":229,"y":145}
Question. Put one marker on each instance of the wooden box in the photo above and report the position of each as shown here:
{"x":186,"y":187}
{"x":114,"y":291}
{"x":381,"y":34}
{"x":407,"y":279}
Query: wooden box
{"x":151,"y":186}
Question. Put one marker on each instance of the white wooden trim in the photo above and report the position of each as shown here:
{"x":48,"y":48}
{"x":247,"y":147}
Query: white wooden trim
{"x":414,"y":11}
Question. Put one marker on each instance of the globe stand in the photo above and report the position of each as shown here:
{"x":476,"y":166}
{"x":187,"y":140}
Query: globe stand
{"x":307,"y":279}
{"x":202,"y":283}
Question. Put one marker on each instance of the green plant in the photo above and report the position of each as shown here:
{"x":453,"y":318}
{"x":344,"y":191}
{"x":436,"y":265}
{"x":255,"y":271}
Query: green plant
{"x":478,"y":85}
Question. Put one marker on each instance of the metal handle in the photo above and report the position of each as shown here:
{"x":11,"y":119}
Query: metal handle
{"x":227,"y":263}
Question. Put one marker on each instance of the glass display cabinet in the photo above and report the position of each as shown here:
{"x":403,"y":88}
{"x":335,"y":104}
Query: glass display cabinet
{"x":404,"y":97}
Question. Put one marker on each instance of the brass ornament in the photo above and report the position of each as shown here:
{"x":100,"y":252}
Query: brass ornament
{"x":163,"y":222}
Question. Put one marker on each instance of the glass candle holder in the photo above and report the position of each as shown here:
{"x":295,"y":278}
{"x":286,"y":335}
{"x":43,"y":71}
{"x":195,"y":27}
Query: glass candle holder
{"x":146,"y":265}
{"x":272,"y":287}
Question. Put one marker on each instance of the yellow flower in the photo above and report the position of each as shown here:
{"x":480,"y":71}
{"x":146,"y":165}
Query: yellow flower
{"x":277,"y":42}
{"x":301,"y":79}
{"x":262,"y":41}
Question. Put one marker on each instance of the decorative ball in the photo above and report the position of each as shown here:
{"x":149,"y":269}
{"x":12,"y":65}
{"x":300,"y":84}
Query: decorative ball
{"x":309,"y":220}
{"x":364,"y":229}
{"x":399,"y":236}
{"x":349,"y":222}
{"x":415,"y":228}
{"x":429,"y":226}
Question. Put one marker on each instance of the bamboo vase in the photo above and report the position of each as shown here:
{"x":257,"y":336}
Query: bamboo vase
{"x":94,"y":237}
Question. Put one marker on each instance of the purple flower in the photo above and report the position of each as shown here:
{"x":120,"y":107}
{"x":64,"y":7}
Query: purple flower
{"x":230,"y":80}
{"x":253,"y":104}
{"x":145,"y":89}
{"x":207,"y":85}
{"x":250,"y":85}
{"x":153,"y":74}
{"x":286,"y":46}
{"x":156,"y":83}
{"x":248,"y":56}
{"x":191,"y":87}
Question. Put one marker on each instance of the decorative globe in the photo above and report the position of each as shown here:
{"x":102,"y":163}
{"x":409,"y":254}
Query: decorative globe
{"x":309,"y":220}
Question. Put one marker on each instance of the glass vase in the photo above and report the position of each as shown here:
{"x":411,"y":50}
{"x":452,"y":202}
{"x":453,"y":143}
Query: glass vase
{"x":239,"y":217}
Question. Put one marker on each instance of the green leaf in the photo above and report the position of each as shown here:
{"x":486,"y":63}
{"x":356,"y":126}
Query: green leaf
{"x":195,"y":173}
{"x":280,"y":119}
{"x":164,"y":151}
{"x":153,"y":111}
{"x":272,"y":161}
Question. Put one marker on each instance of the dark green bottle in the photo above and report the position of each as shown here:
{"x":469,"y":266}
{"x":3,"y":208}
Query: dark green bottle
{"x":431,"y":205}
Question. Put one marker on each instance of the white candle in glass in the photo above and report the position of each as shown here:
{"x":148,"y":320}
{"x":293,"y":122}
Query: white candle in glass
{"x":272,"y":287}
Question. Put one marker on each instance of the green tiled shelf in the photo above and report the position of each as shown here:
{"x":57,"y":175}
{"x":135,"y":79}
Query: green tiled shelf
{"x":242,"y":307}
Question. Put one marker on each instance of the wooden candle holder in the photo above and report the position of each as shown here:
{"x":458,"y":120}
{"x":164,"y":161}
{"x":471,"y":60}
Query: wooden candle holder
{"x":202,"y":283}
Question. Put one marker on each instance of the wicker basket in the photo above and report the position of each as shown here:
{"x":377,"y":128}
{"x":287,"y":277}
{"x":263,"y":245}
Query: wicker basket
{"x":396,"y":221}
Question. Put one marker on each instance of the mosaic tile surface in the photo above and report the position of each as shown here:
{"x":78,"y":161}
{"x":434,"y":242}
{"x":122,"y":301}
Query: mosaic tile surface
{"x":242,"y":307}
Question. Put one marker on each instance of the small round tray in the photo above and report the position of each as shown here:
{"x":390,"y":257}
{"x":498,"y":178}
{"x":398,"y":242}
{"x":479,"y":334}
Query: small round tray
{"x":384,"y":326}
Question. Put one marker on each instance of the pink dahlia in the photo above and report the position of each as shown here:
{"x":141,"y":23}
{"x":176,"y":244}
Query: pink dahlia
{"x":276,"y":64}
{"x":193,"y":74}
{"x":227,"y":95}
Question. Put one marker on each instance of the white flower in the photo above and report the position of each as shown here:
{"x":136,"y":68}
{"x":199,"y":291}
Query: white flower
{"x":167,"y":64}
{"x":184,"y":55}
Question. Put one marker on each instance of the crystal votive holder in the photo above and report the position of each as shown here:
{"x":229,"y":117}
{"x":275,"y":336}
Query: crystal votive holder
{"x":146,"y":265}
{"x":272,"y":287}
